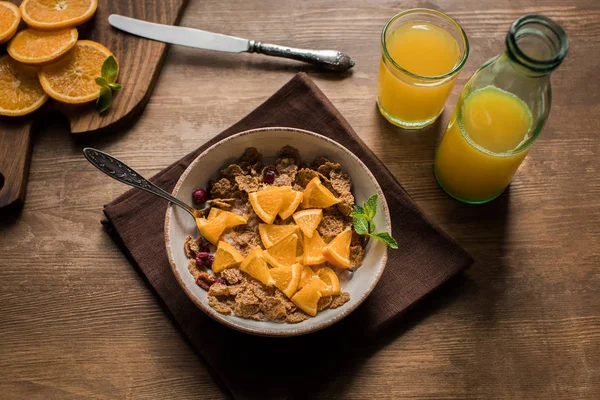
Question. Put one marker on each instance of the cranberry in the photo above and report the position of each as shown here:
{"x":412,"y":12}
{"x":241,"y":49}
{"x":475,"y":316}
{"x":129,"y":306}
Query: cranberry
{"x":199,"y":196}
{"x":221,"y":281}
{"x":269,"y":177}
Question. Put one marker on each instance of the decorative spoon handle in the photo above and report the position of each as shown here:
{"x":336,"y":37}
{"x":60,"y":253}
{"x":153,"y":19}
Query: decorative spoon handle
{"x":118,"y":170}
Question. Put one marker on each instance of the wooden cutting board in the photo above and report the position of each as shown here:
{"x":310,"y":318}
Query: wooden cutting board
{"x":140,"y":61}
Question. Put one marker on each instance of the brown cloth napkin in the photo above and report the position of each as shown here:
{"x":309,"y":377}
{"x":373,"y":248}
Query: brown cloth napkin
{"x":252,"y":367}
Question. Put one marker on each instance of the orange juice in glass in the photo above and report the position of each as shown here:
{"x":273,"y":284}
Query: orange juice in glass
{"x":422,"y":52}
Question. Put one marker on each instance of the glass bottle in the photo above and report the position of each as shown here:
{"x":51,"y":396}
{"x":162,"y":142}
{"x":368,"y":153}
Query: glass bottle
{"x":500,"y":113}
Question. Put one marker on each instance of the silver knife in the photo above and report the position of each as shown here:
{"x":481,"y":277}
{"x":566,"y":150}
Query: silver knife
{"x":328,"y":59}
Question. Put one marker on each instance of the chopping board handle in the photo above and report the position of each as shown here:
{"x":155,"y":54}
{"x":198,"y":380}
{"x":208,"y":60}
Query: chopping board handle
{"x":15,"y":157}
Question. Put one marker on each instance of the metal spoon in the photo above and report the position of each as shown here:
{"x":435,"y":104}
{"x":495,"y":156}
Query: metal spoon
{"x":116,"y":169}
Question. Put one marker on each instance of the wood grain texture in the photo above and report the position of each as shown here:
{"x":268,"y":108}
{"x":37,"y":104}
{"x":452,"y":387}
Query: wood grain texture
{"x":140,"y":62}
{"x":77,"y":321}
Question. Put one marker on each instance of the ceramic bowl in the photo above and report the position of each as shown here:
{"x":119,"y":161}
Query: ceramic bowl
{"x":179,"y":224}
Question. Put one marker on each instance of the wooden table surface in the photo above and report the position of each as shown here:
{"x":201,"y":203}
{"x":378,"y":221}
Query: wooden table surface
{"x":77,"y":321}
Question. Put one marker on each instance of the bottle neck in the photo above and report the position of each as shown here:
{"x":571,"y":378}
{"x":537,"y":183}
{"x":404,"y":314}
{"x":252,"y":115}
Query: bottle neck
{"x":535,"y":45}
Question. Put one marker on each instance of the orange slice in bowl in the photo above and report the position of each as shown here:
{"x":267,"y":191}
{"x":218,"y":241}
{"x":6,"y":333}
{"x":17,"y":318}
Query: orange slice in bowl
{"x":308,"y":220}
{"x":255,"y":265}
{"x":37,"y":47}
{"x":308,"y":297}
{"x":313,"y":249}
{"x":291,"y":201}
{"x":10,"y":16}
{"x":266,"y":204}
{"x":287,"y":278}
{"x":212,"y":230}
{"x":52,"y":15}
{"x":283,"y":253}
{"x":72,"y":78}
{"x":20,"y":90}
{"x":337,"y":252}
{"x":329,"y":276}
{"x":231,"y":219}
{"x":307,"y":275}
{"x":272,"y":234}
{"x":226,"y":257}
{"x":318,"y":196}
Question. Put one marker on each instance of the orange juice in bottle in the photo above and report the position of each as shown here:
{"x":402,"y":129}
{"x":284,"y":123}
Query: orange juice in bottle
{"x":500,"y":113}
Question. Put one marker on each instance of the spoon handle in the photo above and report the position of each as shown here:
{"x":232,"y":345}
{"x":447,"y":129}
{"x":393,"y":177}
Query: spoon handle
{"x":118,"y":170}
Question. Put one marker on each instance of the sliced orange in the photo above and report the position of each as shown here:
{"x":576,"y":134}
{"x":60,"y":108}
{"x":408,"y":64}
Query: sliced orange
{"x":72,"y":78}
{"x":308,"y":220}
{"x":226,"y":256}
{"x":213,"y":229}
{"x":37,"y":47}
{"x":287,"y":278}
{"x":232,"y":219}
{"x":291,"y":201}
{"x":10,"y":16}
{"x":255,"y":265}
{"x":307,"y":275}
{"x":20,"y":90}
{"x":52,"y":15}
{"x":337,"y":252}
{"x":329,"y":276}
{"x":272,"y":234}
{"x":307,"y":298}
{"x":266,"y":204}
{"x":282,"y":253}
{"x":318,"y":196}
{"x":313,"y":249}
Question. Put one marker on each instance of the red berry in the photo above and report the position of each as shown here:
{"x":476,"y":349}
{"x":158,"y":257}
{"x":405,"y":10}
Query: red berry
{"x":221,"y":281}
{"x":269,"y":177}
{"x":199,"y":196}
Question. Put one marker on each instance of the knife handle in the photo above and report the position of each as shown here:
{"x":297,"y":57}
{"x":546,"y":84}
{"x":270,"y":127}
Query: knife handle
{"x":328,"y":59}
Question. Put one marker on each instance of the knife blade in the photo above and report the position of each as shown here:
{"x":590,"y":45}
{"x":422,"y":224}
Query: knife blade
{"x":329,"y":59}
{"x":179,"y":35}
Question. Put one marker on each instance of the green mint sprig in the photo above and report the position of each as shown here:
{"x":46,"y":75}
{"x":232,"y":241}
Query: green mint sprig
{"x":107,"y":83}
{"x":363,"y":222}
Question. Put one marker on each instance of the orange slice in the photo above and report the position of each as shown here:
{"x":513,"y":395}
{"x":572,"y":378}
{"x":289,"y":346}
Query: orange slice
{"x":287,"y":278}
{"x":307,"y":298}
{"x":283,"y":253}
{"x":72,"y":78}
{"x":266,"y":204}
{"x":272,"y":234}
{"x":318,"y":196}
{"x":308,"y":220}
{"x":255,"y":265}
{"x":307,"y":275}
{"x":37,"y":47}
{"x":213,"y":229}
{"x":291,"y":201}
{"x":232,"y":219}
{"x":20,"y":90}
{"x":226,"y":257}
{"x":329,"y":276}
{"x":313,"y":249}
{"x":52,"y":15}
{"x":10,"y":16}
{"x":337,"y":252}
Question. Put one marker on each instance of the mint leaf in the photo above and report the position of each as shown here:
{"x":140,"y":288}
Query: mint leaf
{"x":370,"y":207}
{"x":358,"y":209}
{"x":110,"y":69}
{"x":115,"y":86}
{"x":361,"y":226}
{"x":385,"y":238}
{"x":104,"y":99}
{"x":102,"y":82}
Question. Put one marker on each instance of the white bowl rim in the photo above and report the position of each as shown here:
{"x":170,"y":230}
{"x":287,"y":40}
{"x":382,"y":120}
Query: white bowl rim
{"x":273,"y":332}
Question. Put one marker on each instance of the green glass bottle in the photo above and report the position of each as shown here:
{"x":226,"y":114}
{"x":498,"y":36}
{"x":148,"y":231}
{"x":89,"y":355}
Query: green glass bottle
{"x":500,"y":113}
